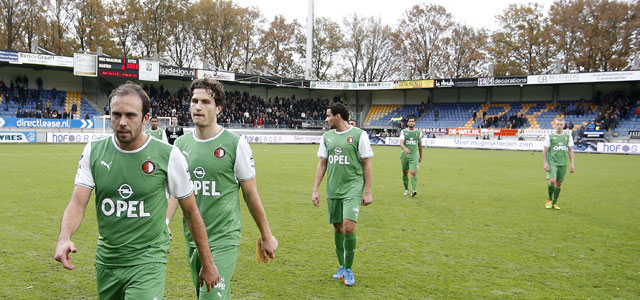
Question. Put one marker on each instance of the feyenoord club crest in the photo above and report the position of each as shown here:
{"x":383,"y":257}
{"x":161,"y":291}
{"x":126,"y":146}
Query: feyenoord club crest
{"x":220,"y":152}
{"x":148,"y":167}
{"x":349,"y":140}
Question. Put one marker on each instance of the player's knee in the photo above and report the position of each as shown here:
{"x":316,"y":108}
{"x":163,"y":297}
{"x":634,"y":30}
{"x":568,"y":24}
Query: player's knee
{"x":414,"y":173}
{"x":338,"y":228}
{"x":349,"y":226}
{"x":558,"y":184}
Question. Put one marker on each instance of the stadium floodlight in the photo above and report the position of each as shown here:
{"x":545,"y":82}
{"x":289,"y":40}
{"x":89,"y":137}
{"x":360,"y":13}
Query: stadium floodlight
{"x":309,"y":52}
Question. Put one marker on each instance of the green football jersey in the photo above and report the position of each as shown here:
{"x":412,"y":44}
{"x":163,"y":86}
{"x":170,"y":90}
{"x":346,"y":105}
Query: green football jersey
{"x":158,"y":134}
{"x":217,"y":165}
{"x":344,"y":152}
{"x":411,"y":139}
{"x":558,"y":148}
{"x":131,"y":192}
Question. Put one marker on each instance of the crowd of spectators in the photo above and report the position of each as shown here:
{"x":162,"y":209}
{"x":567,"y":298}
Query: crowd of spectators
{"x":32,"y":103}
{"x":615,"y":107}
{"x":243,"y":108}
{"x":502,"y":120}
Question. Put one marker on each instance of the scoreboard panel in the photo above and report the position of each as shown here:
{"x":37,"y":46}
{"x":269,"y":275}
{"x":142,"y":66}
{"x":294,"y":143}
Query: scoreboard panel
{"x":118,"y":67}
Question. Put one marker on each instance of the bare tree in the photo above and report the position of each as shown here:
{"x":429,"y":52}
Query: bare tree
{"x":355,"y":35}
{"x":422,"y":33}
{"x":12,"y":19}
{"x":522,"y":44}
{"x":466,"y":52}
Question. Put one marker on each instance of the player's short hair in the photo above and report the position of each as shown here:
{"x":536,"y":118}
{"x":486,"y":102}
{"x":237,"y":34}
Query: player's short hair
{"x":411,"y":117}
{"x":560,"y":120}
{"x":153,"y":117}
{"x":341,"y":109}
{"x":130,"y":88}
{"x":213,"y":87}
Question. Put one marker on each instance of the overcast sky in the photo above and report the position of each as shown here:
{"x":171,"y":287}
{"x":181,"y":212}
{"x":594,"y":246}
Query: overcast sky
{"x":469,"y":12}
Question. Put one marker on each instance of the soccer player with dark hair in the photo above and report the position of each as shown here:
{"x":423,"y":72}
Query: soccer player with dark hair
{"x":411,"y":156}
{"x":132,"y":175}
{"x":174,"y":131}
{"x":345,"y":155}
{"x":156,"y":132}
{"x":558,"y":146}
{"x":221,"y":162}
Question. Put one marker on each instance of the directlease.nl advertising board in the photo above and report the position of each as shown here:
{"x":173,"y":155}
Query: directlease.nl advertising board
{"x":45,"y":123}
{"x":18,"y":137}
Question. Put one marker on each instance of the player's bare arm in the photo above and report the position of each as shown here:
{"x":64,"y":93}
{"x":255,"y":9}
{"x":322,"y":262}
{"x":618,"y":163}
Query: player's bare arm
{"x":254,"y":204}
{"x":405,"y":149}
{"x":71,"y":221}
{"x":572,"y":168}
{"x":171,"y":210}
{"x":420,"y":149}
{"x":368,"y":175}
{"x":320,"y":170}
{"x":209,"y":272}
{"x":545,"y":153}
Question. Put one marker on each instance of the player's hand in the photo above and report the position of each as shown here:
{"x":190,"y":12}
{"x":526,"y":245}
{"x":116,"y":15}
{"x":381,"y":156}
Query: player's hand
{"x":572,"y":168}
{"x":546,"y":167}
{"x":315,"y":198}
{"x":366,"y":199}
{"x":269,"y":247}
{"x":209,"y":277}
{"x":407,"y":151}
{"x":420,"y":159}
{"x":62,"y":253}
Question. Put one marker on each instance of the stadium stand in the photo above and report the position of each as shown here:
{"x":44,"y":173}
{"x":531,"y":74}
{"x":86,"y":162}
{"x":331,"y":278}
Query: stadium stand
{"x":244,"y":109}
{"x":534,"y":114}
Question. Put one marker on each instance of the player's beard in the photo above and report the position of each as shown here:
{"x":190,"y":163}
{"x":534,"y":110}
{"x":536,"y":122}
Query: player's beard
{"x":130,"y":135}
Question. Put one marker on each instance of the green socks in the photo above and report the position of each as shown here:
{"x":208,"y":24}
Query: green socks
{"x":414,"y":182}
{"x":405,"y":181}
{"x":339,"y":237}
{"x":552,"y":190}
{"x":556,"y":193}
{"x":349,"y":249}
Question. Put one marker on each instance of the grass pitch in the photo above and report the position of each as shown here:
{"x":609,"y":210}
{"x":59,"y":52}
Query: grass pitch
{"x":477,"y":229}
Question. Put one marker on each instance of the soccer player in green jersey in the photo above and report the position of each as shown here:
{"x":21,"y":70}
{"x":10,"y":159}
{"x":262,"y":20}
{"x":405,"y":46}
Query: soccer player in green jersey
{"x":221,"y":162}
{"x":411,"y":156}
{"x":345,"y":155}
{"x":558,"y":146}
{"x":132,"y":175}
{"x":155,"y":132}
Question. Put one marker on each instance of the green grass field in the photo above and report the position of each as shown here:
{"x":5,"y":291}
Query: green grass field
{"x":477,"y":229}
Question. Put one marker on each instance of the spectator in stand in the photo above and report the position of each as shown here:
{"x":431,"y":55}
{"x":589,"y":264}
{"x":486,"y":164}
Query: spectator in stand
{"x":65,"y":114}
{"x":638,"y":112}
{"x":436,"y":114}
{"x":19,"y":113}
{"x":38,"y":114}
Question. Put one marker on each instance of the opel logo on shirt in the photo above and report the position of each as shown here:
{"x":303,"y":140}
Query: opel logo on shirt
{"x":338,"y":150}
{"x":125,"y":191}
{"x":199,"y":172}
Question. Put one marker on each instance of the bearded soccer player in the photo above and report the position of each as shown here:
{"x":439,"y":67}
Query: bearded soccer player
{"x":174,"y":131}
{"x":558,"y":146}
{"x":155,"y":132}
{"x":345,"y":155}
{"x":411,"y":156}
{"x":220,"y":163}
{"x":132,"y":175}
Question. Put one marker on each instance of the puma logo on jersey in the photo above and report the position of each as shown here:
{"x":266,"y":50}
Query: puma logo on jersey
{"x":186,"y":153}
{"x":106,"y":165}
